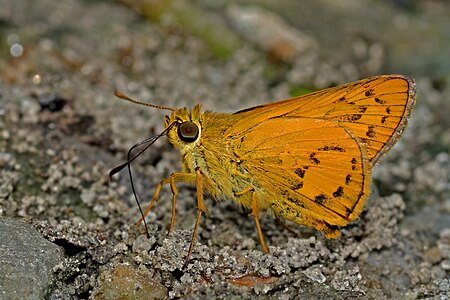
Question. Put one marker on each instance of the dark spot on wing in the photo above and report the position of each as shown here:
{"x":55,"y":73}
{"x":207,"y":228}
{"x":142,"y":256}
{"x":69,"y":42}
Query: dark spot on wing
{"x":383,"y":119}
{"x":336,"y":148}
{"x":388,"y":110}
{"x":353,"y":163}
{"x":300,"y":172}
{"x":348,"y":179}
{"x":320,"y":198}
{"x":371,"y":131}
{"x":352,"y":118}
{"x":331,"y":148}
{"x":369,"y":93}
{"x":362,"y":109}
{"x":339,"y":192}
{"x":380,"y":101}
{"x":295,"y":201}
{"x":297,"y":186}
{"x":313,"y":158}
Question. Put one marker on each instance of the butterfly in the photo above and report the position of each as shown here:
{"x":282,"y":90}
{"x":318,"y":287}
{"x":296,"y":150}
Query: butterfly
{"x":307,"y":159}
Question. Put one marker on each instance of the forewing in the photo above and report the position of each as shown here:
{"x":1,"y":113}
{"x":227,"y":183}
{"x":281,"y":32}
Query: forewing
{"x":375,"y":110}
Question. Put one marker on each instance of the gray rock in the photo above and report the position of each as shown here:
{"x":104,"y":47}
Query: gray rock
{"x":26,"y":261}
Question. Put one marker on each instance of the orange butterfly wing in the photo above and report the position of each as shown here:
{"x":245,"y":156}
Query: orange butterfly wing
{"x":312,"y":156}
{"x":374,"y":109}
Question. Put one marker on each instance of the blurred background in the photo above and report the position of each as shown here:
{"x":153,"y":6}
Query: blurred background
{"x":62,"y":130}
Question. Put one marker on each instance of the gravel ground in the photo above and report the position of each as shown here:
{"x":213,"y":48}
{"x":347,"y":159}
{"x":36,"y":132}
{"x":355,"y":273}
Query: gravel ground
{"x":67,"y":231}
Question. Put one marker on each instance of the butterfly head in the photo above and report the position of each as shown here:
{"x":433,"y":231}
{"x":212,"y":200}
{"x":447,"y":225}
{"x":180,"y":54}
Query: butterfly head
{"x":184,"y":127}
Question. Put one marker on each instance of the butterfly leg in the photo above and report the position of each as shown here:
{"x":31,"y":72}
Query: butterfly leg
{"x":201,"y":209}
{"x":255,"y":213}
{"x":172,"y":179}
{"x":174,"y":190}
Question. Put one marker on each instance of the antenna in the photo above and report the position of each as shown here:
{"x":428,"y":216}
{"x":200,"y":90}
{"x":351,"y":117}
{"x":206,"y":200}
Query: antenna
{"x":125,"y":97}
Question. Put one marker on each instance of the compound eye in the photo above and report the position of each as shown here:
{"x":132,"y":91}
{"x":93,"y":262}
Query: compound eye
{"x":188,"y":132}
